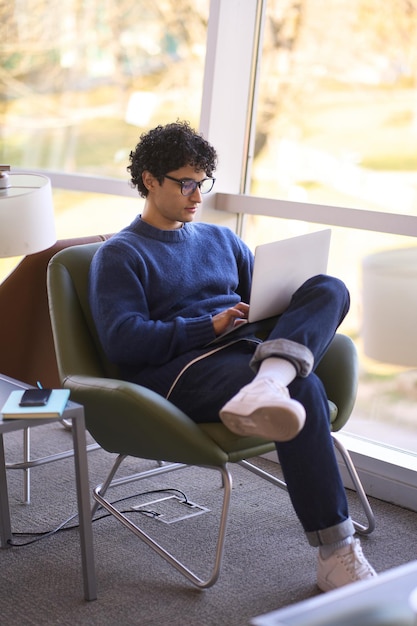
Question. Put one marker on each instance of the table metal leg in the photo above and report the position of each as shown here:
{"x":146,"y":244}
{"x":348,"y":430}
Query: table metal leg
{"x":84,"y":505}
{"x":5,"y":525}
{"x":26,"y":471}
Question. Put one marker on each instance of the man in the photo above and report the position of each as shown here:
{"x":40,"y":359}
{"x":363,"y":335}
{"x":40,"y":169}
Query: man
{"x":164,"y":288}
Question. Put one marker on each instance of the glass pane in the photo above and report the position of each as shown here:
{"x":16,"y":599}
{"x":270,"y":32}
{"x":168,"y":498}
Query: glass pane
{"x":337,"y":125}
{"x":337,"y":112}
{"x":80,"y":81}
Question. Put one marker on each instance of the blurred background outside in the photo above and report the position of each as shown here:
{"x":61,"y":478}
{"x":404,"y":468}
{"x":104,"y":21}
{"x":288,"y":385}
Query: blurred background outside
{"x":336,"y":124}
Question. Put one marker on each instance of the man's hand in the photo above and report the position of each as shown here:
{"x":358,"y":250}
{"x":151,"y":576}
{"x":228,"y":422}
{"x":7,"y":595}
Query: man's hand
{"x":230,"y":317}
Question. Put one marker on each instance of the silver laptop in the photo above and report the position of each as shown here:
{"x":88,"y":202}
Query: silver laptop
{"x":280,"y":268}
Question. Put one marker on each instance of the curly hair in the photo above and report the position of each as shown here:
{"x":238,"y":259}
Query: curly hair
{"x":168,"y":148}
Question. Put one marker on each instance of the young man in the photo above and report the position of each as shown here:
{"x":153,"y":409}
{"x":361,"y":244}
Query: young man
{"x":164,"y":288}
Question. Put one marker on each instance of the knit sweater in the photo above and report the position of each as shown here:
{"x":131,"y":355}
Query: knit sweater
{"x":153,"y":293}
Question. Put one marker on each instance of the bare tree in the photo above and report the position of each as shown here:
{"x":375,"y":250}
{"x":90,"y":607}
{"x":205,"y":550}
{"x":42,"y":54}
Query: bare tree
{"x":389,"y":31}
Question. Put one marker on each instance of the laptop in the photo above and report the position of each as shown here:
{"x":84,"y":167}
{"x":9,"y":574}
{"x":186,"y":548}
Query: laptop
{"x":280,"y":268}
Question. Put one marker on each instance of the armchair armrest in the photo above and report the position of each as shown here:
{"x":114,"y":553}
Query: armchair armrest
{"x":148,"y":426}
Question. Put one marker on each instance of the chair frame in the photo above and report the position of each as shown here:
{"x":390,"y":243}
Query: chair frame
{"x":100,"y":492}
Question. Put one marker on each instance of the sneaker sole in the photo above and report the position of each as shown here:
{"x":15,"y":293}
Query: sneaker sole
{"x":324,"y":586}
{"x":270,"y":422}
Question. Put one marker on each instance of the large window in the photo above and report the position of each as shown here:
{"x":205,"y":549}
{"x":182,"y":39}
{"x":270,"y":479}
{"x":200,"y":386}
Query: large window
{"x":334,"y":125}
{"x":337,"y":125}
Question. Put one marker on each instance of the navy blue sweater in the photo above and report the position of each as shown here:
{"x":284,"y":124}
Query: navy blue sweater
{"x":153,"y":294}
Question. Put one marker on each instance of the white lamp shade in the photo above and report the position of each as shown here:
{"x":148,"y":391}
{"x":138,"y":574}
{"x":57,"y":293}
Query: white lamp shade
{"x":26,"y":215}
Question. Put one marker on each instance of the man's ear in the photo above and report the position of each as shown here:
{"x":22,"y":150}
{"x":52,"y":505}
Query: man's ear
{"x":149,"y":180}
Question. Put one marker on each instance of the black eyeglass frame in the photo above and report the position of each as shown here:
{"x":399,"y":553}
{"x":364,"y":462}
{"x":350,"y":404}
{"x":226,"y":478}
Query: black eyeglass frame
{"x":189,"y":181}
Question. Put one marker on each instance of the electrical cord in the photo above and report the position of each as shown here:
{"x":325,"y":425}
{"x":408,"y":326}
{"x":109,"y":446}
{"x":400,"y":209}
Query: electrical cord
{"x":37,"y":536}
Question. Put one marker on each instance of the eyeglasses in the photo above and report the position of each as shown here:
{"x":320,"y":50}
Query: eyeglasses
{"x":188,"y":185}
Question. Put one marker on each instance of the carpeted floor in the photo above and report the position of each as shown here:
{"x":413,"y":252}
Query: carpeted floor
{"x":267,"y":564}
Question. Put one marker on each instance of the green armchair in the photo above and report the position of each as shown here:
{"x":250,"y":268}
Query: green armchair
{"x":128,"y":419}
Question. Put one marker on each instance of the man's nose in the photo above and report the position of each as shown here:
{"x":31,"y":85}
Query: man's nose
{"x":196,"y":195}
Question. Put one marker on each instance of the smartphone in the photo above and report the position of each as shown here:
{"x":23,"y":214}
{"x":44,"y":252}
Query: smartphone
{"x":35,"y":397}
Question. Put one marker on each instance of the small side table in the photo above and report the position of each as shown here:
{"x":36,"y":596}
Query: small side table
{"x":75,"y":413}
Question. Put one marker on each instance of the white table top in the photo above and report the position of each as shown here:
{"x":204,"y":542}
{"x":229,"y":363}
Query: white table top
{"x":390,"y":591}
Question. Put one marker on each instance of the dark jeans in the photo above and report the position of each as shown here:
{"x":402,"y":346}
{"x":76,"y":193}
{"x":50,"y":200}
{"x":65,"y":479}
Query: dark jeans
{"x":308,"y":461}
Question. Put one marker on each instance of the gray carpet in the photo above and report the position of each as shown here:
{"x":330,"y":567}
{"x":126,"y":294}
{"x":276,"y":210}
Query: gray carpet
{"x":267,"y":564}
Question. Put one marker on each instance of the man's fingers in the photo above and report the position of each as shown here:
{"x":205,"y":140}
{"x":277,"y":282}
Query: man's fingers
{"x":241,"y":310}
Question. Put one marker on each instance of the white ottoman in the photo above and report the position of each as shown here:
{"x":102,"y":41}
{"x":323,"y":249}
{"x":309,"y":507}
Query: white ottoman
{"x":389,"y":297}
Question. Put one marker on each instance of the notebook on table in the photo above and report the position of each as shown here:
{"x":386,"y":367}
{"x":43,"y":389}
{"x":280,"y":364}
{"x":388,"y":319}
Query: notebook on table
{"x":54,"y":407}
{"x":280,"y":268}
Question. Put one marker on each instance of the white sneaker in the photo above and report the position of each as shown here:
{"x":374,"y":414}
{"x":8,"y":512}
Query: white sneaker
{"x":264,"y":409}
{"x":346,"y":565}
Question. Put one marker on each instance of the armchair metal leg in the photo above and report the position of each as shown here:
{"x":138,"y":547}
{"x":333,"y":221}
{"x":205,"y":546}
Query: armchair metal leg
{"x":162,"y":468}
{"x":99,"y":492}
{"x":278,"y":482}
{"x":360,"y":528}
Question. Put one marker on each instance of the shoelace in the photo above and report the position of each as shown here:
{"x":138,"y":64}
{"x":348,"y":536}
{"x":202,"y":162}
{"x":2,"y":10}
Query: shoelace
{"x":355,"y":562}
{"x":269,"y":382}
